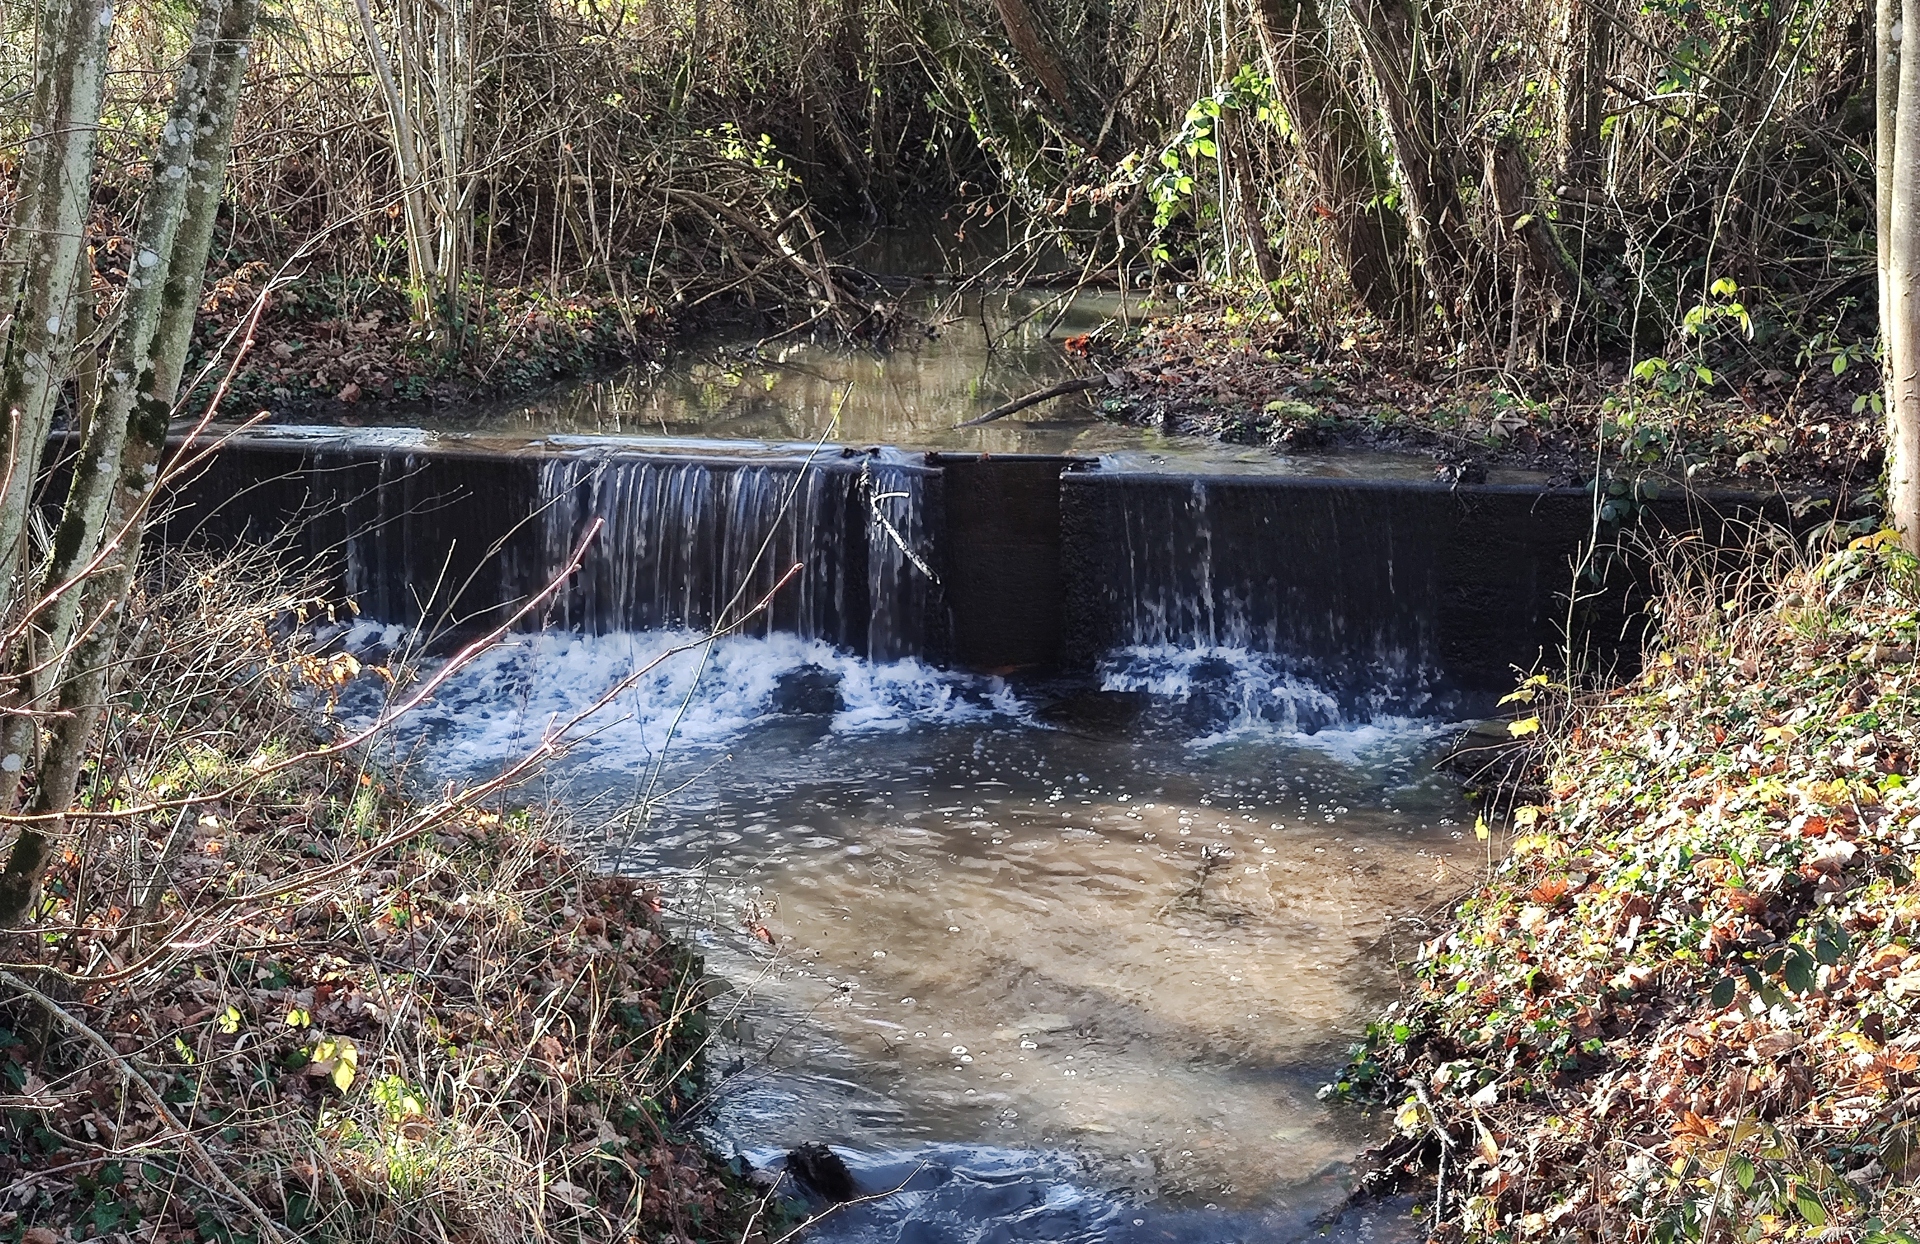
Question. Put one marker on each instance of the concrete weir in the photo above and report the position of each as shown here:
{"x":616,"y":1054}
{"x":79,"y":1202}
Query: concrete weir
{"x":1021,"y":565}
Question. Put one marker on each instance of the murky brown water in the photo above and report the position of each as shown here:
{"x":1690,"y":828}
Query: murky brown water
{"x":981,"y":351}
{"x":1156,"y":965}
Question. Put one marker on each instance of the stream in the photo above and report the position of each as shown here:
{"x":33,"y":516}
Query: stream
{"x":1052,"y":959}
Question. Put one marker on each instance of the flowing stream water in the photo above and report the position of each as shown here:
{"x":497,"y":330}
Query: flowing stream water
{"x":1059,"y":960}
{"x":1066,"y":961}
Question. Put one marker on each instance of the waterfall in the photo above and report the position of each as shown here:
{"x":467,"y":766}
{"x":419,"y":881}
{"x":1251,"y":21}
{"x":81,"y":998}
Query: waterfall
{"x":1006,"y":564}
{"x":828,"y":546}
{"x":1337,"y":581}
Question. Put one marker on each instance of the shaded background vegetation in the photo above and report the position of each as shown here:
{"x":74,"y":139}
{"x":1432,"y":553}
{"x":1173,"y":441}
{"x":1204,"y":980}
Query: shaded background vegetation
{"x":1549,"y":179}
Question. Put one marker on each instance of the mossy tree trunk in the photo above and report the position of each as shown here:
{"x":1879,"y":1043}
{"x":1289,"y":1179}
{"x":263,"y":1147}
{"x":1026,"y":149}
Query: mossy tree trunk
{"x":89,"y":572}
{"x":1330,"y":132}
{"x":41,"y":260}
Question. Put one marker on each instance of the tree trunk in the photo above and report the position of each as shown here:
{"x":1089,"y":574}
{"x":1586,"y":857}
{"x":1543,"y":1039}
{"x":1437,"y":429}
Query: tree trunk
{"x":1902,"y":329}
{"x":422,"y":276}
{"x":1583,"y":91}
{"x":45,"y":247}
{"x":114,"y":479}
{"x":1886,"y":90}
{"x":1391,"y":38}
{"x":1036,"y":53}
{"x":1334,"y":144}
{"x":193,"y":244}
{"x":1523,"y":225}
{"x":128,"y":372}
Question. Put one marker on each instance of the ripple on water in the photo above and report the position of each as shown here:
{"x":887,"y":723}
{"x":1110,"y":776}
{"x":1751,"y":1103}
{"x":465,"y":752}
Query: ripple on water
{"x":1148,"y":946}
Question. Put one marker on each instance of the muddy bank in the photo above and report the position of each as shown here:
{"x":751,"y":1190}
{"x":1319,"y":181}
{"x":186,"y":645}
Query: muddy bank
{"x":1248,"y":381}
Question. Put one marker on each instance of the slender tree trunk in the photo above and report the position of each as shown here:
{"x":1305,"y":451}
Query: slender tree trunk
{"x":1902,"y":329}
{"x":1583,"y":91}
{"x":1391,"y":38}
{"x":128,"y":371}
{"x":1886,"y":91}
{"x":207,"y":178}
{"x":44,"y":251}
{"x":1334,"y":143}
{"x":114,"y":480}
{"x":424,"y":279}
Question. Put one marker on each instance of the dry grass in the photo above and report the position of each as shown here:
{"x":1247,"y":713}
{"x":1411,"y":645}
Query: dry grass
{"x":377,"y":1018}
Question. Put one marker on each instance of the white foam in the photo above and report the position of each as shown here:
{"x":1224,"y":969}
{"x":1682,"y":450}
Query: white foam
{"x":621,"y":698}
{"x":1241,"y":694}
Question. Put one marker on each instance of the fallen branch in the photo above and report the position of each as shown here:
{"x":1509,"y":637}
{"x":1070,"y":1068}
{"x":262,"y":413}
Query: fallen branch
{"x":1079,"y":385}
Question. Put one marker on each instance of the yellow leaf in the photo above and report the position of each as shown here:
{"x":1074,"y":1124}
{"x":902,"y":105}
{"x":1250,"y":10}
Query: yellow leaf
{"x":1480,"y":829}
{"x":1525,"y":726}
{"x":1525,"y":818}
{"x":297,"y":1018}
{"x":229,"y":1021}
{"x":343,"y":1075}
{"x":1489,"y":1148}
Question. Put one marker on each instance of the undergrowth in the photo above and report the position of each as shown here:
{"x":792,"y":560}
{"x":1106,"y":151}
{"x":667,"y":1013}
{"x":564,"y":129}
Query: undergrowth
{"x":1686,"y":1004}
{"x":270,"y":996}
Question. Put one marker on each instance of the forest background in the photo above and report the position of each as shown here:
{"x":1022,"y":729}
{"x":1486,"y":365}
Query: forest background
{"x":502,"y":191}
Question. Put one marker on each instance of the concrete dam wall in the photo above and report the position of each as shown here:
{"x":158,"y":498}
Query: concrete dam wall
{"x":1015,"y":565}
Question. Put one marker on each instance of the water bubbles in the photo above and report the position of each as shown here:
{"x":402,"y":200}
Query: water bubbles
{"x":958,"y":1049}
{"x":879,"y":954}
{"x":953,"y":928}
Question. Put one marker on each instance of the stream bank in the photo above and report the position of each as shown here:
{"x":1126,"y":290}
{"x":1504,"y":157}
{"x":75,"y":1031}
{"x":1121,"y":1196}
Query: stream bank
{"x":1650,"y":425}
{"x":292,"y":1002}
{"x":1686,"y":1003}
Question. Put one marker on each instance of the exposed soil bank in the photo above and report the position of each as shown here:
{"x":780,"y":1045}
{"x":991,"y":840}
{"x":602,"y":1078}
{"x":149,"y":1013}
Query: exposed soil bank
{"x":1251,"y":381}
{"x":1683,"y":1006}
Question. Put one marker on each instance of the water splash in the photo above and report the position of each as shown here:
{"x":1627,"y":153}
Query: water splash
{"x":1221,"y":692}
{"x":635,"y":693}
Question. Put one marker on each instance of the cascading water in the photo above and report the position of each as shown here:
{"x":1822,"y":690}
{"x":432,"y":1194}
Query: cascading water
{"x":822,"y":546}
{"x":1306,"y":606}
{"x":1061,"y":959}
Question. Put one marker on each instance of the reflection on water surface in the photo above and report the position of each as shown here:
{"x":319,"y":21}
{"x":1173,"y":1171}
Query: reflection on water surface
{"x":1046,"y":955}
